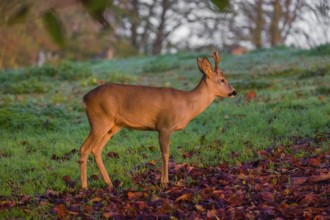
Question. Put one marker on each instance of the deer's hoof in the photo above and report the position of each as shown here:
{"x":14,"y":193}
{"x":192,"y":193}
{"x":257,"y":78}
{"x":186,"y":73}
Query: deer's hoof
{"x":164,"y":185}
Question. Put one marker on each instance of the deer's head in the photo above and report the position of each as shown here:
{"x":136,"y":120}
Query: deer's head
{"x":215,"y":78}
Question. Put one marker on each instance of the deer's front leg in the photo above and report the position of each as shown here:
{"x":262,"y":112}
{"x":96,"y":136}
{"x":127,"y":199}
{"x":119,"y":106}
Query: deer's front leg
{"x":164,"y":142}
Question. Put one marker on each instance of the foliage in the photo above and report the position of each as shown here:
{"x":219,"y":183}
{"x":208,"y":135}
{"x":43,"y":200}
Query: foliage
{"x":26,"y":86}
{"x":283,"y":101}
{"x":121,"y":77}
{"x":71,"y":71}
{"x":54,"y":27}
{"x":321,"y":50}
{"x":222,"y":5}
{"x":161,"y":64}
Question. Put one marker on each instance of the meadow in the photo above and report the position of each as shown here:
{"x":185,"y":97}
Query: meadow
{"x":283,"y":95}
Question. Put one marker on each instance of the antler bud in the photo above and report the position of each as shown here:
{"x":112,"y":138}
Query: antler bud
{"x":216,"y":58}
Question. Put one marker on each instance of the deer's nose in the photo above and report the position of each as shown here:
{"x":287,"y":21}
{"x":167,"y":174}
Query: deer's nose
{"x":232,"y":94}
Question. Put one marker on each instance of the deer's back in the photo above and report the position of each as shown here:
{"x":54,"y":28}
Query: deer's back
{"x":138,"y":107}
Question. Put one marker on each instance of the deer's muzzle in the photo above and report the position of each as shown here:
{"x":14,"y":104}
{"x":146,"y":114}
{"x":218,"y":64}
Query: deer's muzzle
{"x":232,"y":94}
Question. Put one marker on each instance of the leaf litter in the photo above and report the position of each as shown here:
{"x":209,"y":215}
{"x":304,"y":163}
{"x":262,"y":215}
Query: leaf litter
{"x":286,"y":182}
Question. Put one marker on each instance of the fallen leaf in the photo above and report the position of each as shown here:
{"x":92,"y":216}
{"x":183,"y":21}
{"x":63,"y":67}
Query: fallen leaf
{"x":200,"y":208}
{"x":96,"y":199}
{"x":142,"y":205}
{"x":314,"y":162}
{"x":322,"y":97}
{"x":319,"y":178}
{"x":267,"y":196}
{"x":250,"y":95}
{"x":154,"y":198}
{"x":152,"y":148}
{"x":131,"y":195}
{"x":212,"y":213}
{"x":112,"y":155}
{"x":319,"y":217}
{"x":66,"y":178}
{"x":60,"y":210}
{"x":183,"y":197}
{"x":187,"y":154}
{"x":95,"y":177}
{"x":153,"y":162}
{"x":108,"y":215}
{"x":307,"y":200}
{"x":299,"y":180}
{"x":7,"y":204}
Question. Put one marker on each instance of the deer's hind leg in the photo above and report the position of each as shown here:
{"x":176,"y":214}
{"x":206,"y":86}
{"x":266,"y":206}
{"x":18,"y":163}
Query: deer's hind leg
{"x":94,"y":143}
{"x":97,"y":153}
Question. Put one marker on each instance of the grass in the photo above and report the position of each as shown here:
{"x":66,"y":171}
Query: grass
{"x":42,"y":118}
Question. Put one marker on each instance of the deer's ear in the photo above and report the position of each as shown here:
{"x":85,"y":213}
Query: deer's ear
{"x":199,"y":64}
{"x":207,"y":67}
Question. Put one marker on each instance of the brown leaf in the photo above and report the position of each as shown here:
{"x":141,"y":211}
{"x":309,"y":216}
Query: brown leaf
{"x":280,"y":149}
{"x":267,"y":196}
{"x":153,"y":162}
{"x":112,"y":155}
{"x":319,"y":178}
{"x":200,"y":208}
{"x":7,"y":204}
{"x":263,"y":153}
{"x":152,"y":148}
{"x":314,"y":162}
{"x":142,"y":205}
{"x":111,"y":215}
{"x":95,"y":177}
{"x":212,"y":213}
{"x":96,"y":199}
{"x":66,"y":178}
{"x":308,"y":200}
{"x":299,"y":180}
{"x":322,"y":97}
{"x":250,"y":95}
{"x":154,"y":198}
{"x":178,"y":167}
{"x":236,"y":199}
{"x":183,"y":197}
{"x":187,"y":154}
{"x":51,"y":193}
{"x":88,"y":208}
{"x":60,"y":210}
{"x":319,"y":217}
{"x":131,"y":195}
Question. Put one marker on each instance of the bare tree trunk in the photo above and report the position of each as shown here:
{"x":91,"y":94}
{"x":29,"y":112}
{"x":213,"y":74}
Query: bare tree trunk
{"x":157,"y":45}
{"x":259,"y":21}
{"x":146,"y":28}
{"x":275,"y":31}
{"x":135,"y":24}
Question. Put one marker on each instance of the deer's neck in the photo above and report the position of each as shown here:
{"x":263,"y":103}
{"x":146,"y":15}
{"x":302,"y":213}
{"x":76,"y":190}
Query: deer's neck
{"x":200,"y":98}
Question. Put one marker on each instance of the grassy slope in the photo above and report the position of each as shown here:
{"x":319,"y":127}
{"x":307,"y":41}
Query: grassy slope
{"x":42,"y":119}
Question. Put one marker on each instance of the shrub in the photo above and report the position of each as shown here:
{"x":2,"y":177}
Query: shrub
{"x":161,"y":64}
{"x":321,"y":50}
{"x":73,"y":71}
{"x":26,"y":86}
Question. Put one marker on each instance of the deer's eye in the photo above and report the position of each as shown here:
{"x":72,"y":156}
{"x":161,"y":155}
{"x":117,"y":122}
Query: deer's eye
{"x":222,"y":80}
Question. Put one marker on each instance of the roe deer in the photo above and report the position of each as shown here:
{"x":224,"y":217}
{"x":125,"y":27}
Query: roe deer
{"x":111,"y":107}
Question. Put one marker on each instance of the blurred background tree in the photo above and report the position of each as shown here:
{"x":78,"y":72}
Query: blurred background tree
{"x":37,"y":32}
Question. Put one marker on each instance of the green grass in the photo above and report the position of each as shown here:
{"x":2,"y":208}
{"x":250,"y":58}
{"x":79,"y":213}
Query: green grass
{"x":42,"y":118}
